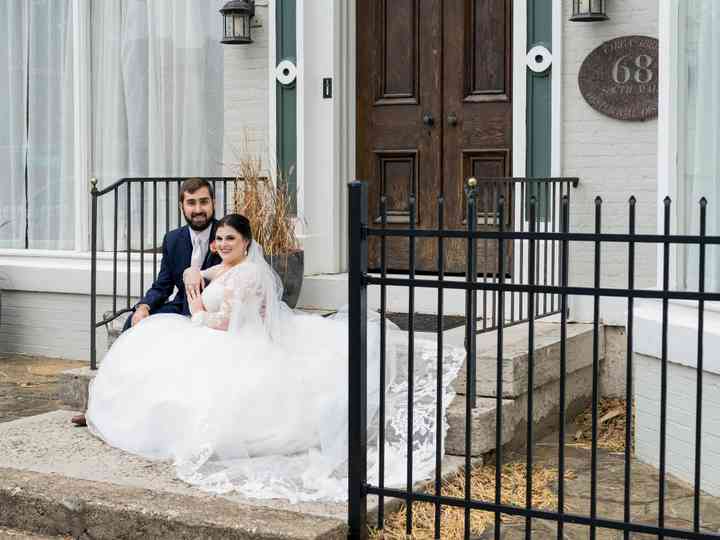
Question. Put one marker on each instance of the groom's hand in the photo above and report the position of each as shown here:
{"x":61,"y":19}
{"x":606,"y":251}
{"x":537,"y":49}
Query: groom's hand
{"x":141,"y":312}
{"x":194,"y":283}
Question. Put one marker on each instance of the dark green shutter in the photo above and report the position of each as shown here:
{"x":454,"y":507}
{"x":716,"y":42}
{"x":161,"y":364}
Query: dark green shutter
{"x":539,"y":102}
{"x":286,"y":96}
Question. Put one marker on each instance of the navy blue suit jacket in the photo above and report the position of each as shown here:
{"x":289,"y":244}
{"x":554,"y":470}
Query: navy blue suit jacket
{"x":176,"y":254}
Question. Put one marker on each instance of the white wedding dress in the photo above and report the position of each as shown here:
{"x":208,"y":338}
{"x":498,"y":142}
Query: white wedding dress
{"x":261,"y":407}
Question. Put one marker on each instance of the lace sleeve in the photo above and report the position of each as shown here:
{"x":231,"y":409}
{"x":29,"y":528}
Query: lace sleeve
{"x":241,"y":294}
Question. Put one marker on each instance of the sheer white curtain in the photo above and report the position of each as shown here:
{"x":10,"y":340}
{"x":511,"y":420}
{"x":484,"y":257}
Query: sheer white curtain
{"x":51,"y":180}
{"x":36,"y":135}
{"x":157,"y":95}
{"x":13,"y":128}
{"x":699,"y":124}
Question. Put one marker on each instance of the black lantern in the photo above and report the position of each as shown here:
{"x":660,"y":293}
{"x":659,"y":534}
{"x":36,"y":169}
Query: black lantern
{"x":588,"y":11}
{"x":236,"y":21}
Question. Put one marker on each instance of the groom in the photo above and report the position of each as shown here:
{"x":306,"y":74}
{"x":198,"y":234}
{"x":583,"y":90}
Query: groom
{"x":185,"y":247}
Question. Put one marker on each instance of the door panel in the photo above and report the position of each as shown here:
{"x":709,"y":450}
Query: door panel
{"x":487,"y":27}
{"x":397,"y":25}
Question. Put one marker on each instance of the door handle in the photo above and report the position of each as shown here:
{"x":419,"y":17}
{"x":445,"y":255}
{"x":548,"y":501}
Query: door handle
{"x":428,"y":119}
{"x":452,"y":119}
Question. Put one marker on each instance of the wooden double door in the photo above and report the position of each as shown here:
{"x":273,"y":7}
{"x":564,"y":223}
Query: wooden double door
{"x":434,"y":81}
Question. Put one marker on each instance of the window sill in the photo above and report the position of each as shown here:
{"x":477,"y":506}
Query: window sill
{"x":682,"y":338}
{"x":66,"y":272}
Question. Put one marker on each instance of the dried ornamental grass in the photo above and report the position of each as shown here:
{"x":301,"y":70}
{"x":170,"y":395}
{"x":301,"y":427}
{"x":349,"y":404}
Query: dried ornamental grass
{"x":482,"y":487}
{"x":611,"y":426}
{"x":267,"y":205}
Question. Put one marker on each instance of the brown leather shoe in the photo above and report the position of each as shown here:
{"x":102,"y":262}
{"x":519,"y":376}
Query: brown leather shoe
{"x":79,"y":420}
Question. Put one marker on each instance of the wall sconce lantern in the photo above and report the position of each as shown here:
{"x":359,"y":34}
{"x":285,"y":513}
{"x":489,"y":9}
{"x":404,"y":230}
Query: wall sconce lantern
{"x":236,"y":21}
{"x":588,"y":11}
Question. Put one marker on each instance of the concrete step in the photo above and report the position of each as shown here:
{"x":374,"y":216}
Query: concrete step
{"x":55,"y":505}
{"x":16,"y":534}
{"x":515,"y":357}
{"x":73,"y":388}
{"x":545,"y":418}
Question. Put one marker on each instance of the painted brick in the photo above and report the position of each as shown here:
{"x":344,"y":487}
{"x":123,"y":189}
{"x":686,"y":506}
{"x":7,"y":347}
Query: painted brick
{"x":613,"y":159}
{"x":680,"y":420}
{"x":50,"y":324}
{"x":246,"y":96}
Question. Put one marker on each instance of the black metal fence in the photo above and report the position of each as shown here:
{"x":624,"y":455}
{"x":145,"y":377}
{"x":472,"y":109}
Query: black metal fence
{"x":509,"y":259}
{"x":532,"y":288}
{"x":128,"y":222}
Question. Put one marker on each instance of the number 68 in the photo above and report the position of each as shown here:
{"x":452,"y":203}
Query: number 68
{"x":642,"y":74}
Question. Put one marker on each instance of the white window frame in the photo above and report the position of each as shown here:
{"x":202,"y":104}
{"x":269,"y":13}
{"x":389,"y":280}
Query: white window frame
{"x":667,"y":167}
{"x":669,"y":159}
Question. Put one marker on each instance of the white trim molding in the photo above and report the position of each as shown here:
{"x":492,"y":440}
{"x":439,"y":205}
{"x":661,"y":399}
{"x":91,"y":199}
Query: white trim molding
{"x":272,"y":93}
{"x":556,"y":90}
{"x":519,"y":90}
{"x":300,"y":106}
{"x":82,"y":119}
{"x":667,"y":155}
{"x":345,"y":122}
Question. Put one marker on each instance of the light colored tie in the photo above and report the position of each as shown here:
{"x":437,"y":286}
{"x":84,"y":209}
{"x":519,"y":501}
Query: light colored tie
{"x":198,"y":253}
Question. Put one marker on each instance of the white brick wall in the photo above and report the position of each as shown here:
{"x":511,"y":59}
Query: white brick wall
{"x":246,"y":95}
{"x":614,"y":159}
{"x":50,"y":324}
{"x":682,"y":384}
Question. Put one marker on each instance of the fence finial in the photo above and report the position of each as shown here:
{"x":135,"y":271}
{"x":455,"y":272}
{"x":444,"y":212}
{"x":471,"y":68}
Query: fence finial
{"x":93,"y":183}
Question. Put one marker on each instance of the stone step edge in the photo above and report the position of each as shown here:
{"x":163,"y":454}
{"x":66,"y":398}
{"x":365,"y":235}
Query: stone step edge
{"x":17,"y":534}
{"x":52,"y":504}
{"x":543,"y":347}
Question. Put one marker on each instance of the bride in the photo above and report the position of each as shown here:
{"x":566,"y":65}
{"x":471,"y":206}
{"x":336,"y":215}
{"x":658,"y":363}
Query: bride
{"x":249,"y":396}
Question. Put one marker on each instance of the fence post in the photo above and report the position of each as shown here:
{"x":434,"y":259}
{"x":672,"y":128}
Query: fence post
{"x":471,"y":294}
{"x":357,"y":356}
{"x":93,"y":271}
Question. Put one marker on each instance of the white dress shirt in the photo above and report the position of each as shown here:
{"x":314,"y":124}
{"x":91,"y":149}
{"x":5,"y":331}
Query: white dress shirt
{"x":200,"y":241}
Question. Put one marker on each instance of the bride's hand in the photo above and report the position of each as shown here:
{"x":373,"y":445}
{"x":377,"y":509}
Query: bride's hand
{"x":194,"y":283}
{"x":196,"y":305}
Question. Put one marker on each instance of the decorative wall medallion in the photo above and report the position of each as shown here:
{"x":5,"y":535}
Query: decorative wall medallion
{"x":620,"y":78}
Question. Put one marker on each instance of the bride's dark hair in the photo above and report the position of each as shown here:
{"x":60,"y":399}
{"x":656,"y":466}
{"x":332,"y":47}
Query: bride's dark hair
{"x":238,"y":222}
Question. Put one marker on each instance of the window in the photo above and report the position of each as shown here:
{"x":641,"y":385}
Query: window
{"x":154,"y":97}
{"x":697,"y":113}
{"x":36,"y":145}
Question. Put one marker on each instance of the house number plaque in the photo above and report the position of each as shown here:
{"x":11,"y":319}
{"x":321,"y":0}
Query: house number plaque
{"x":620,"y":78}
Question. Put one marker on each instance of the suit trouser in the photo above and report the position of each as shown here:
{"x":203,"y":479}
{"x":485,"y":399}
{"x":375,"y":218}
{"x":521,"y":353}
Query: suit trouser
{"x":169,"y":307}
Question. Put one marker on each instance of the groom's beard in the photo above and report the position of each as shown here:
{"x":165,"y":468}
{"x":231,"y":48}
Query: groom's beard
{"x":197,"y":224}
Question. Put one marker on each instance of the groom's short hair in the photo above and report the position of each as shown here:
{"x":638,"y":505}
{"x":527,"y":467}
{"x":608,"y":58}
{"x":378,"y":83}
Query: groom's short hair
{"x":191,"y":185}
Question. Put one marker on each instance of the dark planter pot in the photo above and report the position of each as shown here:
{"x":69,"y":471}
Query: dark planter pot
{"x":290,"y":267}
